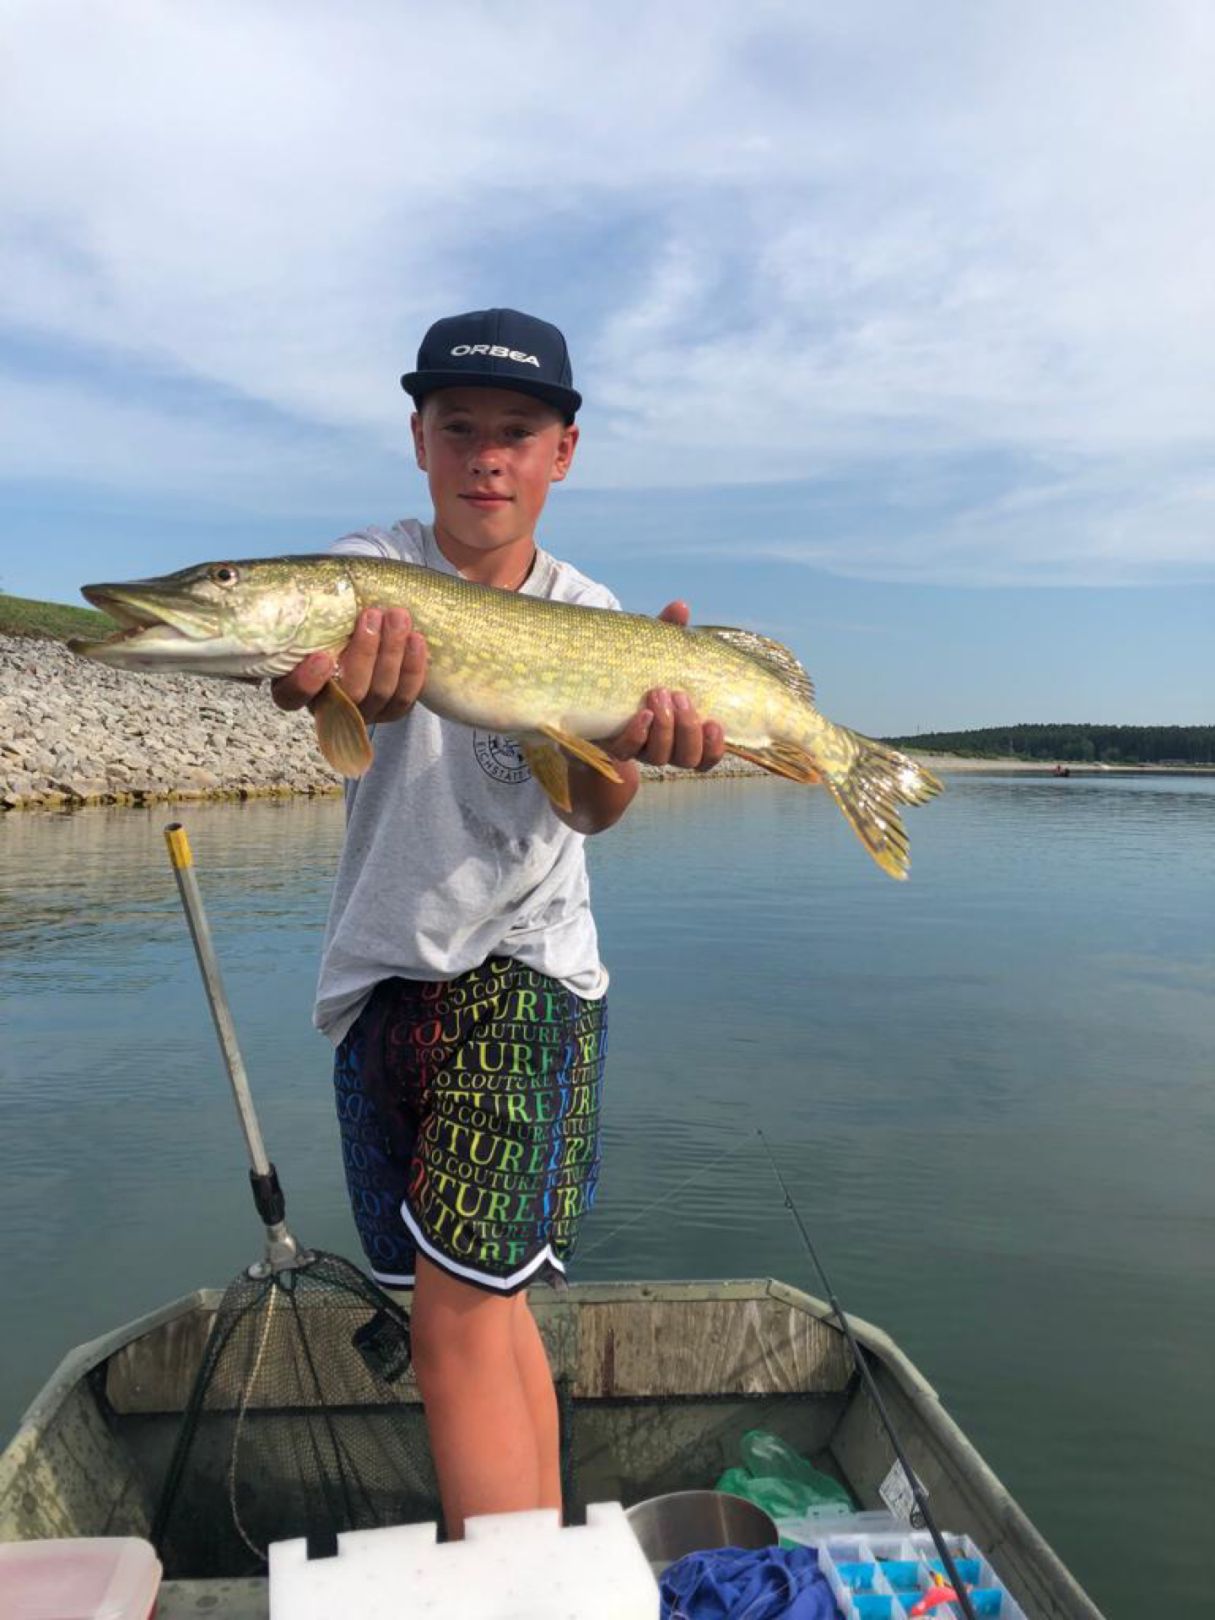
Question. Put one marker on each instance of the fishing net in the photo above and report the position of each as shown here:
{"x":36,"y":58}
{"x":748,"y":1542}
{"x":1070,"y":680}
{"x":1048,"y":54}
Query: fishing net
{"x":303,"y":1420}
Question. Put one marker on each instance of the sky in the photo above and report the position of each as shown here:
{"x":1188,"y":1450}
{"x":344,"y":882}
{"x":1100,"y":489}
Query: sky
{"x":895,"y":323}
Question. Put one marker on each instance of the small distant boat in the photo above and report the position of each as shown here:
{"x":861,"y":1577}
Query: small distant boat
{"x":665,"y":1378}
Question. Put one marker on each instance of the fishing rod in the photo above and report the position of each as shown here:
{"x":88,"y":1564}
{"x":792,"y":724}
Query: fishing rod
{"x":870,"y":1383}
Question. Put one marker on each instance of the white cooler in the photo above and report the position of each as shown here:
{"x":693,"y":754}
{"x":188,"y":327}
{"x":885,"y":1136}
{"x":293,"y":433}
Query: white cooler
{"x":510,"y":1566}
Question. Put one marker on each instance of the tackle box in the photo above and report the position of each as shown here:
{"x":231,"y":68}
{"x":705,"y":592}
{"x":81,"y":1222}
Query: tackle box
{"x":884,"y":1576}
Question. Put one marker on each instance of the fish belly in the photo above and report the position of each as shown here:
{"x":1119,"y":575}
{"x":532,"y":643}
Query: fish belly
{"x":521,"y":704}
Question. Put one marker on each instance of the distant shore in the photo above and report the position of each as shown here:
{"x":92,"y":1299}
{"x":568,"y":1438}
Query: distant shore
{"x":74,"y":733}
{"x":1046,"y":767}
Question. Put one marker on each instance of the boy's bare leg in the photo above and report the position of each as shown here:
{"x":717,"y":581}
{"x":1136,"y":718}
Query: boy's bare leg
{"x":478,"y":1410}
{"x":536,"y":1376}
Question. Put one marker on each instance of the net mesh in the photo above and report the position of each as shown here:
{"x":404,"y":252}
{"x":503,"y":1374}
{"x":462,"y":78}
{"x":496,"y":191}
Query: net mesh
{"x":302,"y":1421}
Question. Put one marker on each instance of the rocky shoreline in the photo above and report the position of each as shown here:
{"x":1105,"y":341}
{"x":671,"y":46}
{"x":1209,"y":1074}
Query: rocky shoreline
{"x":75,"y":733}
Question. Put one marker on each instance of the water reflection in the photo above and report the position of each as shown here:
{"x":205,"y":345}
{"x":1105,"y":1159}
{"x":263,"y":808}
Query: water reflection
{"x":989,"y":1088}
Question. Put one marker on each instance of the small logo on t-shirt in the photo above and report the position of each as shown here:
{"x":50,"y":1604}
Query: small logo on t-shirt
{"x":499,"y":757}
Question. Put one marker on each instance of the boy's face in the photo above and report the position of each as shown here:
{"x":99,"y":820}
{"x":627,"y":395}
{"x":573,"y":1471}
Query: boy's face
{"x":490,"y":456}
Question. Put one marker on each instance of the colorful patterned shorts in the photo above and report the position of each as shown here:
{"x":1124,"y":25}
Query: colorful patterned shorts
{"x":469,"y":1113}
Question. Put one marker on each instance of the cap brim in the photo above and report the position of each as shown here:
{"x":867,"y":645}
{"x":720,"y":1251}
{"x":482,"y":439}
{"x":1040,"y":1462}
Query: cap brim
{"x":417,"y":384}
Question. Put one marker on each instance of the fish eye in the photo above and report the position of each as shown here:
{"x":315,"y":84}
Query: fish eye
{"x":224,"y":574}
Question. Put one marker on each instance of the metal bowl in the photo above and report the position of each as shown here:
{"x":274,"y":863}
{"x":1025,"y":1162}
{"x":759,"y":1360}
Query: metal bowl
{"x":693,"y":1521}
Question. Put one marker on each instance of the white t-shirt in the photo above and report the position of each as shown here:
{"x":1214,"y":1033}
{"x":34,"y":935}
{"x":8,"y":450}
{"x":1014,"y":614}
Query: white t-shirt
{"x":453,"y":852}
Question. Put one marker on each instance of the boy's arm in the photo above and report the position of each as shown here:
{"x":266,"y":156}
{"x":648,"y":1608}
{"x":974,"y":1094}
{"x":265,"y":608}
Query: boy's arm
{"x":665,"y":731}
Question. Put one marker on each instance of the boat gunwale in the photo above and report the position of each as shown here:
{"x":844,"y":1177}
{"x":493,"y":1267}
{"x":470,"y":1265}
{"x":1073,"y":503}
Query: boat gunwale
{"x":78,"y":1362}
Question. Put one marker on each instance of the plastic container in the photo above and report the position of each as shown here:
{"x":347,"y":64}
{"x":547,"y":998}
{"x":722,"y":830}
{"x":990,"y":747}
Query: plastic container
{"x":89,"y":1578}
{"x":884,"y":1575}
{"x":819,"y":1524}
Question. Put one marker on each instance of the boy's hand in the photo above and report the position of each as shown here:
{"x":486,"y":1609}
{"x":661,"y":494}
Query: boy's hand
{"x":382,"y":667}
{"x":668,"y":731}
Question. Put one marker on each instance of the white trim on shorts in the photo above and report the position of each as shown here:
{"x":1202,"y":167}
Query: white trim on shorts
{"x":503,"y":1285}
{"x":389,"y":1280}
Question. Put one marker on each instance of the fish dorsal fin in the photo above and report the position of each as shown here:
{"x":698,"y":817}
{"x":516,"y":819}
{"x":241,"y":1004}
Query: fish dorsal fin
{"x":774,"y":654}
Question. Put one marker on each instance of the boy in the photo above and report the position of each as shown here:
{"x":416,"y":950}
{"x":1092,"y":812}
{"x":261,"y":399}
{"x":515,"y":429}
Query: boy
{"x":460,"y":977}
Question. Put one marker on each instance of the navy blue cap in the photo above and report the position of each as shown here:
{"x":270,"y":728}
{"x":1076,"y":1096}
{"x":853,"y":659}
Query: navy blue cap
{"x":496,"y":348}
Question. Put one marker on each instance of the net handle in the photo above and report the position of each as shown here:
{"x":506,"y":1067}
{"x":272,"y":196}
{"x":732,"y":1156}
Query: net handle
{"x":191,"y":898}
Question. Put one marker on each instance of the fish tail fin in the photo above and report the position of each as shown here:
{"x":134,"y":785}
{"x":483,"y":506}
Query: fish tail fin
{"x":870,"y":789}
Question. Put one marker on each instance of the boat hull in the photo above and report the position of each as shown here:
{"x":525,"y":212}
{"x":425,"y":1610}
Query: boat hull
{"x":661,"y":1380}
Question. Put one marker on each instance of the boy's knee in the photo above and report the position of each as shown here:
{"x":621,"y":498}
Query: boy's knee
{"x":428,"y":1346}
{"x":478,"y":1332}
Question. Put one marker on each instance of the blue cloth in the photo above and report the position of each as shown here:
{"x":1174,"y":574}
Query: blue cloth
{"x":735,"y":1583}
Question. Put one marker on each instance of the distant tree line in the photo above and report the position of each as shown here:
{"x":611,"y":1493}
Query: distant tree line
{"x":1106,"y":745}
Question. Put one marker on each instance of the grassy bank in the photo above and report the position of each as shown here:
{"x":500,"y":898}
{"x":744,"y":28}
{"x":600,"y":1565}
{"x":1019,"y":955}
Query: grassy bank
{"x":21,"y":617}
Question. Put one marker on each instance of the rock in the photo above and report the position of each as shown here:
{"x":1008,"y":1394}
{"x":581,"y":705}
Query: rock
{"x":77,"y":787}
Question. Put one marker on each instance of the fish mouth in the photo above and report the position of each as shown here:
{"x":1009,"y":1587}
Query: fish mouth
{"x":143,"y":616}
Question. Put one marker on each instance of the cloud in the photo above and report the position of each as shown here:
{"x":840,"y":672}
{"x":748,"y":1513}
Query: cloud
{"x":230,"y":451}
{"x":961,"y":257}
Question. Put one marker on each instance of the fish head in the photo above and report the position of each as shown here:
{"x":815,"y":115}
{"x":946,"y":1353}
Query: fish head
{"x":245,"y":619}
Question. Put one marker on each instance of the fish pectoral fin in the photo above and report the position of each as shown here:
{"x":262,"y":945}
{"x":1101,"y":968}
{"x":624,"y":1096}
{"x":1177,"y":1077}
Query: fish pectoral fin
{"x":588,"y":752}
{"x":340,"y":732}
{"x":547,"y":764}
{"x":782,"y":759}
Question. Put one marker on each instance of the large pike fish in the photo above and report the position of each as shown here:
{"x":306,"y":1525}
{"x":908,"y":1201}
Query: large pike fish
{"x":557,"y":677}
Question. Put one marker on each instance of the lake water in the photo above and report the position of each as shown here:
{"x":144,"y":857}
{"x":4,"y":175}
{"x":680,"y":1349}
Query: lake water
{"x":990,"y":1089}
